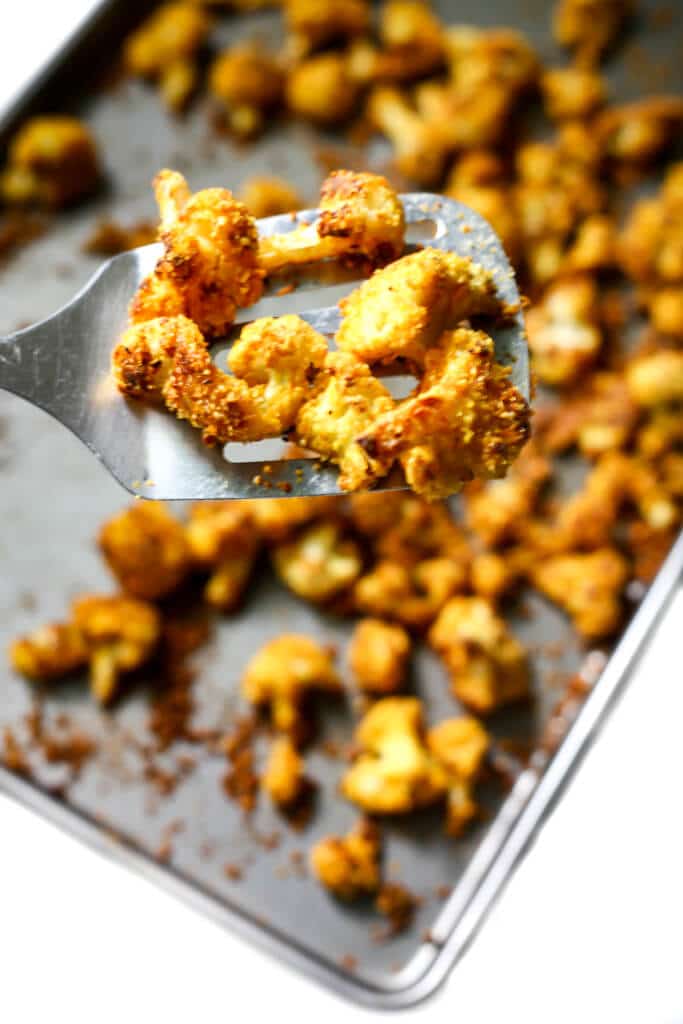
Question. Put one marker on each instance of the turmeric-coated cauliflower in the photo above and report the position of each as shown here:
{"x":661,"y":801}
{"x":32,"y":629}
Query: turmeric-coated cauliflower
{"x":52,"y":161}
{"x":637,"y":132}
{"x":349,"y":866}
{"x":497,"y":509}
{"x":572,"y":92}
{"x":587,"y":586}
{"x":599,"y":418}
{"x":656,"y":378}
{"x":410,"y":594}
{"x":283,"y":778}
{"x":564,"y":331}
{"x":223,"y":538}
{"x":321,"y":90}
{"x":249,"y":83}
{"x":589,"y":26}
{"x":279,"y":518}
{"x":145,"y":548}
{"x":49,"y":652}
{"x":378,"y":655}
{"x":319,"y":563}
{"x":460,"y":746}
{"x":315,"y":23}
{"x":165,"y":46}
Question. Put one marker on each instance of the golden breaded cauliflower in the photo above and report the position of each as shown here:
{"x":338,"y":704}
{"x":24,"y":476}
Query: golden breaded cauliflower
{"x":564,"y":330}
{"x":319,"y":563}
{"x":403,"y":309}
{"x":51,"y":161}
{"x":279,"y":518}
{"x":465,"y":420}
{"x":394,"y":772}
{"x":165,"y":47}
{"x":419,"y":147}
{"x":283,"y":778}
{"x":378,"y":656}
{"x":347,"y":400}
{"x":496,"y":510}
{"x":209,"y":268}
{"x":267,"y":196}
{"x":656,"y":378}
{"x":349,"y":866}
{"x":412,"y":45}
{"x":120,"y":635}
{"x":486,"y":663}
{"x":321,"y":90}
{"x":589,"y":26}
{"x":410,"y":594}
{"x":315,"y":23}
{"x":283,"y":674}
{"x":146,"y":549}
{"x":599,"y":418}
{"x":360,"y":215}
{"x":249,"y":83}
{"x":223,"y":538}
{"x":460,"y":746}
{"x":638,"y":132}
{"x":49,"y":652}
{"x":572,"y":92}
{"x":587,"y":586}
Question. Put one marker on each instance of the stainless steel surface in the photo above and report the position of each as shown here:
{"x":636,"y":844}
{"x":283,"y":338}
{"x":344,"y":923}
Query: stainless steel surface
{"x":53,"y":497}
{"x":62,"y":365}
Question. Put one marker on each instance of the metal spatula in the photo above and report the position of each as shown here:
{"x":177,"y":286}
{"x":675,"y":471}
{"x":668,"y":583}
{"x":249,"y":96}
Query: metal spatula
{"x":62,"y":365}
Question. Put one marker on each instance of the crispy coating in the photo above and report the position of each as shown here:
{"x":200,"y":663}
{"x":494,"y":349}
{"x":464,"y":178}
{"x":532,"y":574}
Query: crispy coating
{"x":321,"y":90}
{"x":165,"y":47}
{"x":378,"y":655}
{"x":656,"y":378}
{"x":49,"y":652}
{"x":460,"y":745}
{"x":394,"y":771}
{"x":209,"y":268}
{"x":564,"y":330}
{"x":496,"y":510}
{"x":319,"y":563}
{"x":120,"y":635}
{"x":283,"y":674}
{"x":410,"y":594}
{"x":315,"y":23}
{"x":403,"y":309}
{"x":146,"y":549}
{"x":588,"y":27}
{"x":278,"y":518}
{"x":587,"y":586}
{"x":638,"y":132}
{"x":249,"y":83}
{"x":486,"y":663}
{"x":466,"y":419}
{"x":419,"y":147}
{"x":349,"y":866}
{"x":360,"y":215}
{"x":223,"y":537}
{"x":283,"y":778}
{"x":599,"y":418}
{"x":266,"y":196}
{"x":52,"y":161}
{"x":572,"y":92}
{"x":347,"y":400}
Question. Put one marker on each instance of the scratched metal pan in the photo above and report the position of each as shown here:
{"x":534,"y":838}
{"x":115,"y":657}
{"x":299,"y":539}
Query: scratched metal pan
{"x":53,"y":496}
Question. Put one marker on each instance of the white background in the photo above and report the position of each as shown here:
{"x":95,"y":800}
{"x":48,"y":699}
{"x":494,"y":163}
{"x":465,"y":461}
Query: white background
{"x":590,"y":928}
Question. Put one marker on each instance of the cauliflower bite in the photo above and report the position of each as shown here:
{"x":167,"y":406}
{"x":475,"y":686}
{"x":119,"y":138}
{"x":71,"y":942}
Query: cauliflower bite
{"x":563,"y":330}
{"x":314,"y":23}
{"x":321,"y":90}
{"x":419,"y":147}
{"x":120,"y":635}
{"x":394,"y":771}
{"x":495,"y":510}
{"x":411,"y":40}
{"x":495,"y":573}
{"x":479,"y":56}
{"x":223,"y":537}
{"x":266,"y":196}
{"x":589,"y":26}
{"x":319,"y":563}
{"x":410,"y":594}
{"x":587,"y":586}
{"x":407,"y":529}
{"x":347,"y":400}
{"x":639,"y":131}
{"x":283,"y":674}
{"x":165,"y":47}
{"x":466,"y":419}
{"x":594,"y":245}
{"x":656,"y":378}
{"x":599,"y":418}
{"x":477,"y":179}
{"x":278,"y":518}
{"x":349,"y":866}
{"x":661,"y":431}
{"x":49,"y":652}
{"x":146,"y":549}
{"x":51,"y":161}
{"x":283,"y":778}
{"x":486,"y":663}
{"x":572,"y":92}
{"x":403,"y":309}
{"x":460,"y":746}
{"x":378,"y":656}
{"x":360,"y":214}
{"x":249,"y":83}
{"x":210,"y":264}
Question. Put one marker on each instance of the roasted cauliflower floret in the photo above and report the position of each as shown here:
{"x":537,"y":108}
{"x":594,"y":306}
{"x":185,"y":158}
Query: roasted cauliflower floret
{"x":279,"y":518}
{"x":210,"y":263}
{"x":394,"y":772}
{"x":378,"y":656}
{"x":587,"y":586}
{"x":120,"y":635}
{"x":403,"y":309}
{"x":283,"y":674}
{"x":319,"y":563}
{"x":350,"y":866}
{"x":49,"y":652}
{"x":599,"y":418}
{"x":267,"y":196}
{"x":360,"y":214}
{"x":496,"y":510}
{"x":165,"y":47}
{"x":564,"y":330}
{"x":410,"y":594}
{"x":486,"y":663}
{"x":146,"y":549}
{"x":347,"y":400}
{"x":224,"y":539}
{"x":657,"y":378}
{"x":250,"y":84}
{"x":412,"y":45}
{"x":283,"y":778}
{"x":314,"y":23}
{"x":478,"y":57}
{"x":572,"y":92}
{"x":589,"y":26}
{"x":638,"y":132}
{"x":495,"y":573}
{"x":466,"y":419}
{"x":321,"y":90}
{"x":460,"y":746}
{"x":52,"y":161}
{"x":418,"y":143}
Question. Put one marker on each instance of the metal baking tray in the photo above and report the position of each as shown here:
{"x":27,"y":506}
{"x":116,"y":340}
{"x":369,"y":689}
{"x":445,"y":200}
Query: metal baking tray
{"x":53,"y":496}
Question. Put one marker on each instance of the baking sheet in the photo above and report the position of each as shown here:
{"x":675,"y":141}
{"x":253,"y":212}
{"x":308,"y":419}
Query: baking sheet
{"x":53,"y":496}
